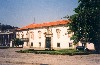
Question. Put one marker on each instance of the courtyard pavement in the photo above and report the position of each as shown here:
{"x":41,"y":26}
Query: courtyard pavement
{"x":10,"y":57}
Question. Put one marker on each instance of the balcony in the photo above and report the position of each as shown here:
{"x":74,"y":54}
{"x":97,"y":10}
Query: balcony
{"x":25,"y":39}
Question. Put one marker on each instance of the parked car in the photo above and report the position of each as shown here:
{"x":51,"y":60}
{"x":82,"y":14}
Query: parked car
{"x":82,"y":48}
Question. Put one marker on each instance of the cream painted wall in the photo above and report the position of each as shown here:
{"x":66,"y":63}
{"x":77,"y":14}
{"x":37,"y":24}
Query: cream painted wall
{"x":24,"y":32}
{"x":20,"y":34}
{"x":88,"y":45}
{"x":63,"y":40}
{"x":36,"y":39}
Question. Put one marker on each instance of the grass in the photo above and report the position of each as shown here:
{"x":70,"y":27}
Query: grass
{"x":55,"y":52}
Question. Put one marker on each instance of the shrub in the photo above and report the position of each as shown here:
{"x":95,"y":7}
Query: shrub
{"x":70,"y":52}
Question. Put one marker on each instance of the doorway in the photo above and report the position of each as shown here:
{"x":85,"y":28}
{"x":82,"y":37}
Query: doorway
{"x":48,"y":42}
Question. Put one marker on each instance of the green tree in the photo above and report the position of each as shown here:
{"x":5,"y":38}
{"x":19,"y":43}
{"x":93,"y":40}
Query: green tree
{"x":85,"y":23}
{"x":17,"y":42}
{"x":4,"y":27}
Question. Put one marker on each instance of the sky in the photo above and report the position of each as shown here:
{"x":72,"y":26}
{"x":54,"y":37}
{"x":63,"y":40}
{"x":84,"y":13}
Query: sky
{"x":24,"y":12}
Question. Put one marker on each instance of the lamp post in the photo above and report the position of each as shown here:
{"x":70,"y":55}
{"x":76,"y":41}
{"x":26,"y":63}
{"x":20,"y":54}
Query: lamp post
{"x":3,"y":40}
{"x":8,"y":39}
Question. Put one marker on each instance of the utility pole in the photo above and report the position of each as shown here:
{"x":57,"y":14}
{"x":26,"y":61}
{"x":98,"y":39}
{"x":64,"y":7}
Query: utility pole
{"x":34,"y":20}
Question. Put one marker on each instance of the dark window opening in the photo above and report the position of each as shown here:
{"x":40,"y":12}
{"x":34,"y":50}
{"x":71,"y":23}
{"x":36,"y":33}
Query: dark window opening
{"x":39,"y":44}
{"x":31,"y":43}
{"x":70,"y":44}
{"x":39,"y":34}
{"x":58,"y":44}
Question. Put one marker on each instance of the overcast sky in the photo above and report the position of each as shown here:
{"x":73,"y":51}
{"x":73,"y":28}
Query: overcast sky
{"x":22,"y":12}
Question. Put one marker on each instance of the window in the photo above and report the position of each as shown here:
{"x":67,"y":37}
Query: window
{"x":39,"y":34}
{"x":58,"y":44}
{"x":32,"y":35}
{"x":31,"y":43}
{"x":22,"y":35}
{"x":27,"y":44}
{"x":49,"y":31}
{"x":17,"y":35}
{"x":70,"y":44}
{"x":27,"y":34}
{"x":58,"y":33}
{"x":39,"y":44}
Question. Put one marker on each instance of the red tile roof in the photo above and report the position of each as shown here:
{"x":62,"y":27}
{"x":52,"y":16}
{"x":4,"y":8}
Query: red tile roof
{"x":47,"y":24}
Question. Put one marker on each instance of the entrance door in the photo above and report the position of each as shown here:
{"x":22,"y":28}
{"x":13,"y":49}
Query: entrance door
{"x":48,"y":42}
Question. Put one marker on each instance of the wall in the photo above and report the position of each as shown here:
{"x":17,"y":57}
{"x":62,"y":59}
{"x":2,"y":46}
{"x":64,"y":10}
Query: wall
{"x":33,"y":35}
{"x":88,"y":45}
{"x":63,"y":39}
{"x":36,"y":40}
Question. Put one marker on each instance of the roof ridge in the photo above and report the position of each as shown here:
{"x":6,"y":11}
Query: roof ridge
{"x":45,"y":24}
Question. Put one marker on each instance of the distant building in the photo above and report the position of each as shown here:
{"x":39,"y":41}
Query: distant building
{"x":6,"y":37}
{"x":46,"y":35}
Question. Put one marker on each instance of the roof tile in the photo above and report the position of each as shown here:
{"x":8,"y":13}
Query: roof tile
{"x":46,"y":24}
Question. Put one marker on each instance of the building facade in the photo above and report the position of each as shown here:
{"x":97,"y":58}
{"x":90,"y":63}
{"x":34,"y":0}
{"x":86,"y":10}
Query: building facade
{"x":52,"y":35}
{"x":6,"y":37}
{"x":46,"y":35}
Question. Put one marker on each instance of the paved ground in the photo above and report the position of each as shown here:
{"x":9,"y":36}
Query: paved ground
{"x":10,"y":57}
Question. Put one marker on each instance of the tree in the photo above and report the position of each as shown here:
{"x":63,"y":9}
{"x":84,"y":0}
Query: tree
{"x":17,"y":42}
{"x":85,"y":23}
{"x":4,"y":27}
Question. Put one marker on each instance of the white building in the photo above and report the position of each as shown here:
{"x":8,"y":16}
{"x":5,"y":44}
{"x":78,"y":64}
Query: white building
{"x":45,"y":35}
{"x":52,"y":35}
